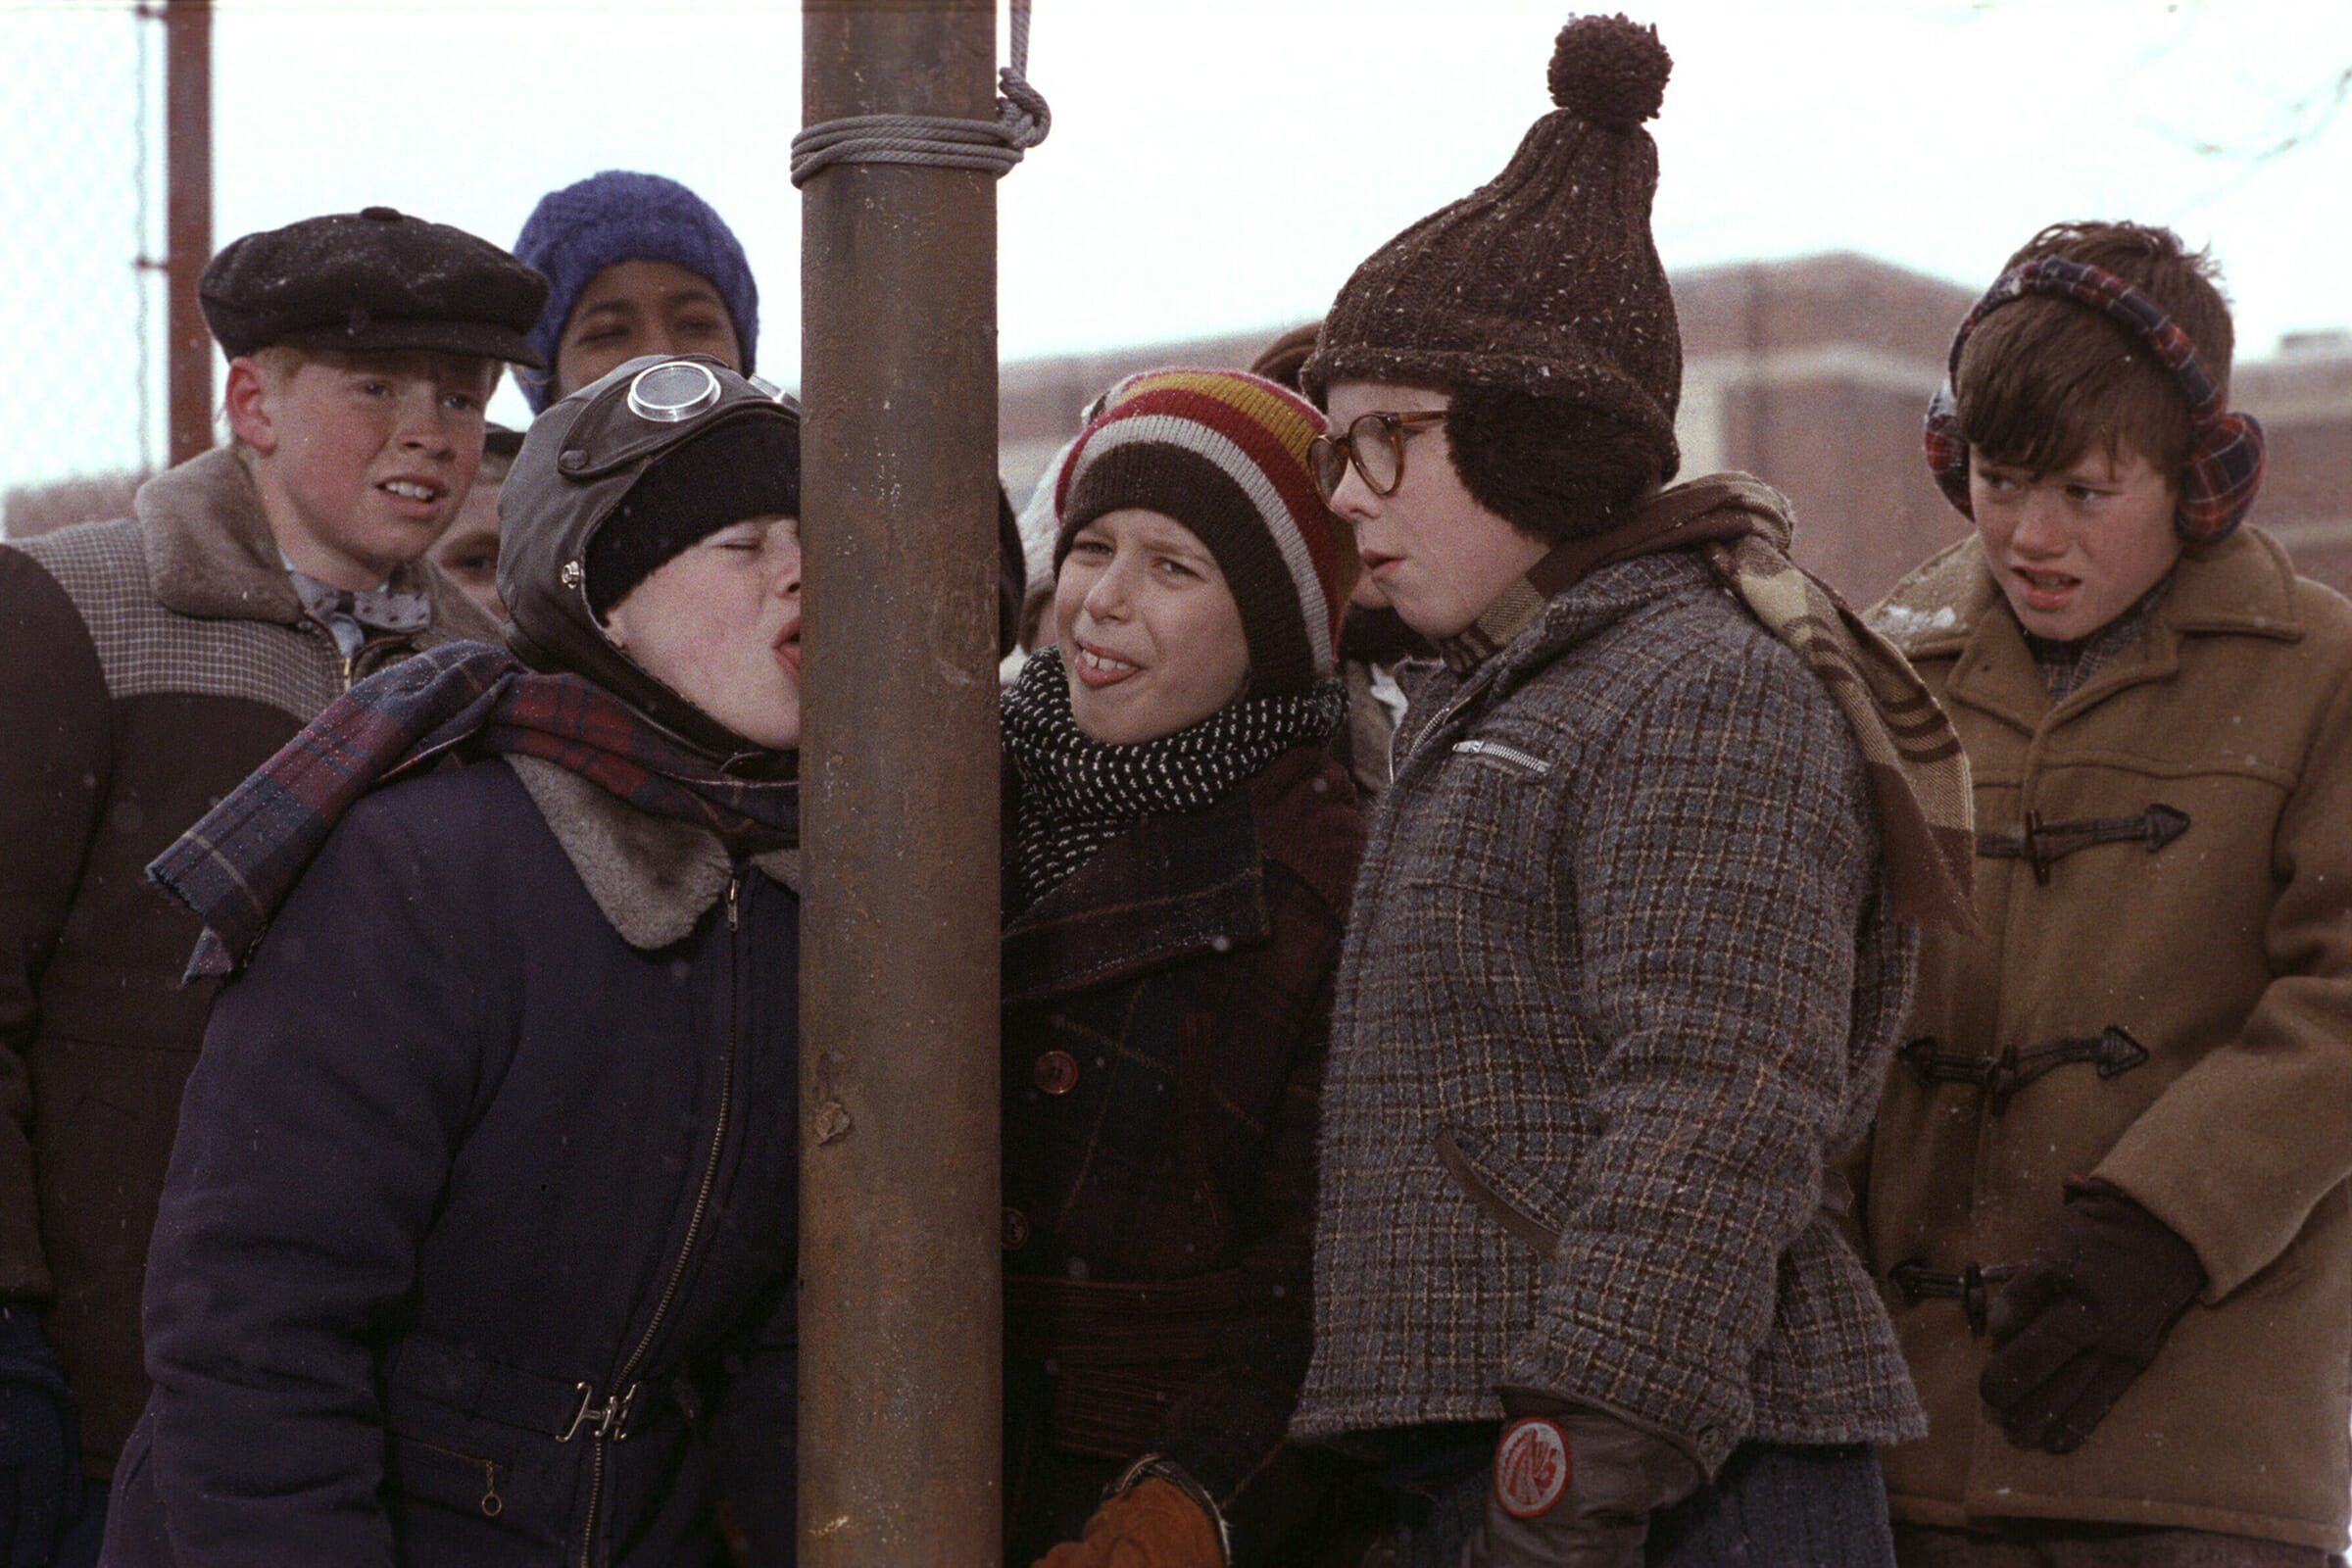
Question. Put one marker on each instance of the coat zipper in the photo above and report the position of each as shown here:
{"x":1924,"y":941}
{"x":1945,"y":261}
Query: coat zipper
{"x":1475,"y":746}
{"x":1470,"y":690}
{"x":492,"y":1504}
{"x":694,"y":1225}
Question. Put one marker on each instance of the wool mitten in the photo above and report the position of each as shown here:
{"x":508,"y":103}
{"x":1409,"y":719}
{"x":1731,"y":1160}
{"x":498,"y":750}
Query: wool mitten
{"x":40,"y":1469}
{"x":2085,"y":1317}
{"x":1152,"y":1524}
{"x":1574,"y":1487}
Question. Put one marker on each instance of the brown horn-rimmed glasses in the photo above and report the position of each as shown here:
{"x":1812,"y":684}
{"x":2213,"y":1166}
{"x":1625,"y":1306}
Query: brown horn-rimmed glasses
{"x":1374,"y":443}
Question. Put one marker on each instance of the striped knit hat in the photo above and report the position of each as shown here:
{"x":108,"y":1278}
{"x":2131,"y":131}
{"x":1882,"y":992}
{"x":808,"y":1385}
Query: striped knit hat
{"x":1224,"y":453}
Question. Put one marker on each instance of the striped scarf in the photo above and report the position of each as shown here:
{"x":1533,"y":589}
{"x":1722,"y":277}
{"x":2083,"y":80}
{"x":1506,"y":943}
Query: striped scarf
{"x":472,"y":699}
{"x":1077,"y":795}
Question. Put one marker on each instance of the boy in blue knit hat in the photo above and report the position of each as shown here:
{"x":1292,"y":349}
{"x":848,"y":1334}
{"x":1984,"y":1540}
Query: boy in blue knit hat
{"x":636,"y":264}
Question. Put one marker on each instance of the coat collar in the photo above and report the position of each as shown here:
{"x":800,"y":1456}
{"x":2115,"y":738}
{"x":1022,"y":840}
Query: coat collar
{"x":1171,"y":888}
{"x":1717,"y":507}
{"x":1950,"y":607}
{"x":211,"y":553}
{"x":1611,"y":594}
{"x":652,"y":878}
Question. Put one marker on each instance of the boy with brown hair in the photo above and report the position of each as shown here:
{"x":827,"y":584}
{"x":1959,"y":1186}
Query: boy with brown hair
{"x":147,"y":666}
{"x":2106,"y":1196}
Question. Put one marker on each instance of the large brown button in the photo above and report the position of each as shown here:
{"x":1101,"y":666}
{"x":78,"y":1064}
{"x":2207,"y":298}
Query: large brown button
{"x":1016,"y":1235}
{"x":1056,"y":1072}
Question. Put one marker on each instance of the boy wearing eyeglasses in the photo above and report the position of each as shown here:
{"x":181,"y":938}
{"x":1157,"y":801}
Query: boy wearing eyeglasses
{"x":146,"y":666}
{"x":2106,"y":1194}
{"x":1632,"y":940}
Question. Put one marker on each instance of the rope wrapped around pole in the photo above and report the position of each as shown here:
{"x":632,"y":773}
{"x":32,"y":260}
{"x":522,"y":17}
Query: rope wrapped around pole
{"x":937,"y":141}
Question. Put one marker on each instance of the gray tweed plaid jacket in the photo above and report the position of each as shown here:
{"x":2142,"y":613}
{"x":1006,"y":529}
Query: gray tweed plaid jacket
{"x":1615,"y":993}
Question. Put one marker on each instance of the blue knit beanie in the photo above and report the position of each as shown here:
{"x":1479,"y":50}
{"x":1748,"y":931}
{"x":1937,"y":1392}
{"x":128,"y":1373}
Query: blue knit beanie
{"x":576,"y":232}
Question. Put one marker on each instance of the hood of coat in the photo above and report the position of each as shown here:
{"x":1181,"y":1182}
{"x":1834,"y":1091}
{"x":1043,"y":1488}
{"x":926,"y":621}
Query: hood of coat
{"x":577,"y":461}
{"x":211,"y":555}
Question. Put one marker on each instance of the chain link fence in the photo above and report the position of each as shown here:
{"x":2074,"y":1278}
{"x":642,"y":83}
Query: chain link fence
{"x":81,"y":207}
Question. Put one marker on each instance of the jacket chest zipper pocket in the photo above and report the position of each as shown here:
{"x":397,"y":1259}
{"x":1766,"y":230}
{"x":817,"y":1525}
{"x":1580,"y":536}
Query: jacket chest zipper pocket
{"x":1508,"y":756}
{"x":491,"y":1504}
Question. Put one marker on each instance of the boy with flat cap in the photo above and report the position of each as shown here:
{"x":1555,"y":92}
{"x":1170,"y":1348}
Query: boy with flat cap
{"x":1634,"y":932}
{"x":147,"y":666}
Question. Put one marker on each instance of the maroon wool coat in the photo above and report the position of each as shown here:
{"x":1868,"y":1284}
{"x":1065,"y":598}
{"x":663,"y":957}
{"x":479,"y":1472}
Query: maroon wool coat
{"x":1166,"y":1013}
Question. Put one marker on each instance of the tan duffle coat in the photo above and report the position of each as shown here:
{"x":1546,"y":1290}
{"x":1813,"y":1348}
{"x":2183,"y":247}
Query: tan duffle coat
{"x":2160,"y":997}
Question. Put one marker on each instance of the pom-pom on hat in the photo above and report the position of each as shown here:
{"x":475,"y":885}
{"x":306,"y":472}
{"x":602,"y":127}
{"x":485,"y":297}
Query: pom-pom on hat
{"x":618,"y":216}
{"x":1545,"y":280}
{"x":1224,"y":453}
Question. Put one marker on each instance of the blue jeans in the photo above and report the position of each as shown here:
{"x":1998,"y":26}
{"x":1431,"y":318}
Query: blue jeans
{"x":1773,"y":1506}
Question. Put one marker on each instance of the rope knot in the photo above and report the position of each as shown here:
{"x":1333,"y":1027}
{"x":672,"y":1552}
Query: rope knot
{"x":937,"y":141}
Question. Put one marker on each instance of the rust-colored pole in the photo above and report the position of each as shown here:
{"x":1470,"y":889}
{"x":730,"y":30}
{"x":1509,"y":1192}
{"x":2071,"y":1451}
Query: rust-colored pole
{"x":188,"y":165}
{"x":901,"y":1377}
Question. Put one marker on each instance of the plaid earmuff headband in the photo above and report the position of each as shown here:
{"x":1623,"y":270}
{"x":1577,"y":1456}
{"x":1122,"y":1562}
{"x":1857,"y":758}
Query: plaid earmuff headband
{"x":2223,"y":472}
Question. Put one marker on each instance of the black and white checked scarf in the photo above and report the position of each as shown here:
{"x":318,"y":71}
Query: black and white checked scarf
{"x":1077,"y":794}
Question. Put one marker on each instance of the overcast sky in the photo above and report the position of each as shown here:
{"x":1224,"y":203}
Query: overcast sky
{"x":1215,"y":166}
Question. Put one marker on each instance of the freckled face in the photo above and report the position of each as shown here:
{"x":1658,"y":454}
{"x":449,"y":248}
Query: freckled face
{"x":2074,"y":548}
{"x":719,"y":624}
{"x":362,"y":460}
{"x":1150,"y":637}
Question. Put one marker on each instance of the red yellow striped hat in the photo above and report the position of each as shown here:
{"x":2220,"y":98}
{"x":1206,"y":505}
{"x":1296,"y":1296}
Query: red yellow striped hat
{"x":1224,"y":453}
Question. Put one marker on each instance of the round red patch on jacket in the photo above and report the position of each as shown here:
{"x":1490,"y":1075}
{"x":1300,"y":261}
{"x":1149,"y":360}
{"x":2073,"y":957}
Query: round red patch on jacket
{"x":1531,"y":1467}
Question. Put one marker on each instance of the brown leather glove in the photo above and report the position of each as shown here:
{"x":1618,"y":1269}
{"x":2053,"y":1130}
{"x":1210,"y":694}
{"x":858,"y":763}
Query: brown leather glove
{"x":1152,"y":1524}
{"x":2085,"y":1317}
{"x":1574,"y":1487}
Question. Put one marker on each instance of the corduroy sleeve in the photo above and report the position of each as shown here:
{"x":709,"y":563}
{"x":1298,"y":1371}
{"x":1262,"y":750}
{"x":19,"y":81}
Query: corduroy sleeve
{"x":2235,"y":1154}
{"x":1711,"y":883}
{"x":338,"y":1075}
{"x":54,"y":762}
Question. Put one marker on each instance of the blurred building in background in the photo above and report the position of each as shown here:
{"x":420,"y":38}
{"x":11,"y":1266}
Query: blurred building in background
{"x":1814,"y":374}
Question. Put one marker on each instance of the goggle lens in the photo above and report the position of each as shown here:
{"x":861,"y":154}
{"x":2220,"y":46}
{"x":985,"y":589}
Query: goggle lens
{"x":672,"y":393}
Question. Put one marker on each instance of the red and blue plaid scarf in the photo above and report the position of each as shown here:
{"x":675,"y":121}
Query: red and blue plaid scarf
{"x":236,"y":865}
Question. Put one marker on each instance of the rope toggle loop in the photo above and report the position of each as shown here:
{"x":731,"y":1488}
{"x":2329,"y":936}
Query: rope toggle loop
{"x":937,"y":141}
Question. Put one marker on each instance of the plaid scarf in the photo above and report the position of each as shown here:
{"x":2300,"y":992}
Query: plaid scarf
{"x":1917,"y":773}
{"x":1077,"y":795}
{"x":471,"y":700}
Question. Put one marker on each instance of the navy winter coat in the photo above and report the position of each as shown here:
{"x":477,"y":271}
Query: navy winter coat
{"x":478,"y":1237}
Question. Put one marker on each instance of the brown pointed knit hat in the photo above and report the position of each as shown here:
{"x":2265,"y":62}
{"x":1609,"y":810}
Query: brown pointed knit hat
{"x":1543,"y":281}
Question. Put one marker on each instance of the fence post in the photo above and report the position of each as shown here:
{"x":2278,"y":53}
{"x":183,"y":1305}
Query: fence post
{"x":188,"y":167}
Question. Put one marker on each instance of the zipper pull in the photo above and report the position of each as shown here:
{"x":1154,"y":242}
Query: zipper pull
{"x":492,"y":1504}
{"x":734,"y":881}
